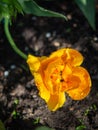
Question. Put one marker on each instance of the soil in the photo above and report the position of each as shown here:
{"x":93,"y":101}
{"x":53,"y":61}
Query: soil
{"x":21,"y":108}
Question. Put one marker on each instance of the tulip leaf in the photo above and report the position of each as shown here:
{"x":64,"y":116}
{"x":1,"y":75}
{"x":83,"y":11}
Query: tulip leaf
{"x":88,"y":9}
{"x":31,"y":7}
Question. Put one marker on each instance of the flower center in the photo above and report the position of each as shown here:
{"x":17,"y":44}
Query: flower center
{"x":56,"y":76}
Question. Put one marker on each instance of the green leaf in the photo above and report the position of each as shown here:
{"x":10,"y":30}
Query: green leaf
{"x":31,"y":7}
{"x":4,"y":11}
{"x":81,"y":127}
{"x":9,"y":8}
{"x":2,"y":125}
{"x":88,"y":9}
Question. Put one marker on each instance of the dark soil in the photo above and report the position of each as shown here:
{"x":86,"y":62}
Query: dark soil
{"x":20,"y":106}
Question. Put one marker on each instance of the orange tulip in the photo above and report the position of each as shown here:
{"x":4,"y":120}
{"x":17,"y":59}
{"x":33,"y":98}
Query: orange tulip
{"x":58,"y":74}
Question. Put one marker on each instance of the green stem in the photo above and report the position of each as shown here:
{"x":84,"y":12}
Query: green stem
{"x":11,"y":41}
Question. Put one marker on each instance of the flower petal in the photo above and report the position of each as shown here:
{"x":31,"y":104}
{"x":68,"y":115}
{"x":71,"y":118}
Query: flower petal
{"x":84,"y":85}
{"x":69,"y":55}
{"x":56,"y":101}
{"x":43,"y":92}
{"x":70,"y":81}
{"x":35,"y":65}
{"x":33,"y":62}
{"x":58,"y":53}
{"x":75,"y":58}
{"x":52,"y":75}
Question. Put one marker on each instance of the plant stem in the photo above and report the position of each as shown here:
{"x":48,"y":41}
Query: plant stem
{"x":11,"y":41}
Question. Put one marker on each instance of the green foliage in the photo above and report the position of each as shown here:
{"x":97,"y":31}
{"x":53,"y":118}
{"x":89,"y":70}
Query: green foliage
{"x":81,"y":127}
{"x":31,"y":7}
{"x":9,"y":8}
{"x":2,"y":127}
{"x":16,"y":102}
{"x":88,"y":9}
{"x":36,"y":121}
{"x":15,"y":114}
{"x":91,"y":108}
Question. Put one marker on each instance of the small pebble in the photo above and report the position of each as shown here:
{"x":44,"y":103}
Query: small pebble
{"x":6,"y":73}
{"x":34,"y":96}
{"x":74,"y":25}
{"x":1,"y":73}
{"x":13,"y":67}
{"x":48,"y":34}
{"x":33,"y":18}
{"x":57,"y":44}
{"x":69,"y":16}
{"x":95,"y":38}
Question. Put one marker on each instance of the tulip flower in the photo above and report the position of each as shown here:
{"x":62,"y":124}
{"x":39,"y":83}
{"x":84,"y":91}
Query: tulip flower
{"x":60,"y":74}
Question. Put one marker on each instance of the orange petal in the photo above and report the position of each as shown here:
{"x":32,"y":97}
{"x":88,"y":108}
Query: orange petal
{"x":75,"y":57}
{"x":69,"y":55}
{"x":52,"y":75}
{"x":33,"y":62}
{"x":58,"y":53}
{"x":84,"y":85}
{"x":43,"y":92}
{"x":56,"y":101}
{"x":72,"y":82}
{"x":35,"y":65}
